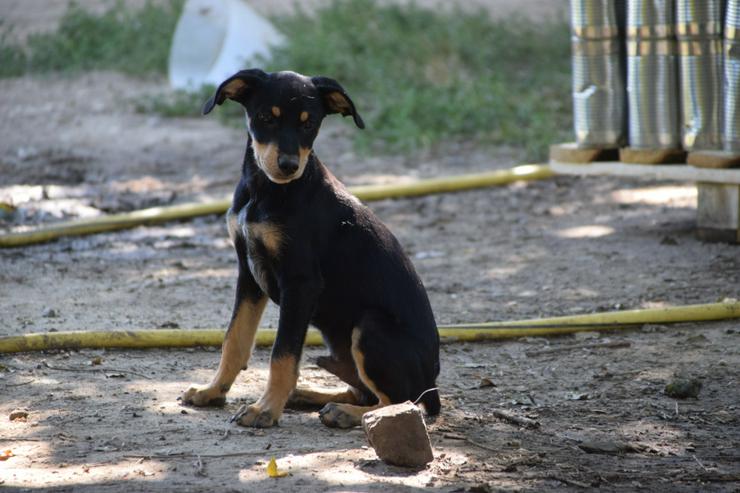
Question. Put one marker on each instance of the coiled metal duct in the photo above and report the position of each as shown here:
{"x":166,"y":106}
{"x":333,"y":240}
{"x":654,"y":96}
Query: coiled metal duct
{"x":652,"y":82}
{"x":698,"y":27}
{"x":598,"y":88}
{"x":731,"y":90}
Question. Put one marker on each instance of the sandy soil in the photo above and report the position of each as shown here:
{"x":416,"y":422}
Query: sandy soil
{"x":75,"y":147}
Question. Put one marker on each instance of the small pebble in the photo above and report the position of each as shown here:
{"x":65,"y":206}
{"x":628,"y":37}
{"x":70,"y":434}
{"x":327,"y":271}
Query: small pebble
{"x":18,"y":414}
{"x":683,"y":388}
{"x":50,"y":313}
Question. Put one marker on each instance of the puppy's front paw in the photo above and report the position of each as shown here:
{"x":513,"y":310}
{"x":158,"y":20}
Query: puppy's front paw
{"x":203,"y":396}
{"x":255,"y":416}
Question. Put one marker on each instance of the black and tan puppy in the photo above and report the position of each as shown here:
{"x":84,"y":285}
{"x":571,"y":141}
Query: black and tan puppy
{"x":303,"y":241}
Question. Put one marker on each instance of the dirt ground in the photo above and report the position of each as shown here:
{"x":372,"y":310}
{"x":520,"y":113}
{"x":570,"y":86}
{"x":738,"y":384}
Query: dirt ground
{"x":75,"y":147}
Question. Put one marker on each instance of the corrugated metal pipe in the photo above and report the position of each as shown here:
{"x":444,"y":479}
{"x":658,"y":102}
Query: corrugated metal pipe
{"x":598,"y":87}
{"x":699,"y":31}
{"x":652,"y":82}
{"x":731,"y":89}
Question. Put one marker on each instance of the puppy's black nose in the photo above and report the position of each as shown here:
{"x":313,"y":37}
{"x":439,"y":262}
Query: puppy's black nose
{"x":288,"y":164}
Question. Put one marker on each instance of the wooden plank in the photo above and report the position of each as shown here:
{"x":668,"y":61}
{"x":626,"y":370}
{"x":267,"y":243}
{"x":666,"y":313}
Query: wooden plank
{"x":630,"y":155}
{"x":660,"y":172}
{"x":714,"y":159}
{"x":569,"y":152}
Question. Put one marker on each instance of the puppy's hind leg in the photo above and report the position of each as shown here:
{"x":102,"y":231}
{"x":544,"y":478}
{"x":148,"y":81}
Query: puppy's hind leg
{"x":342,"y":365}
{"x":393,"y":364}
{"x":317,"y":397}
{"x":348,"y":415}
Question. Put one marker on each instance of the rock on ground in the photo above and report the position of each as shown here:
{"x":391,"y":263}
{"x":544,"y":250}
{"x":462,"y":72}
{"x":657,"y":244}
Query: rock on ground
{"x":398,"y":435}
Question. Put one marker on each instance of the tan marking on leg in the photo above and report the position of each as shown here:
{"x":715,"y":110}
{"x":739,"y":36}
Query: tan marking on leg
{"x":317,"y":396}
{"x":235,"y":353}
{"x":359,"y":358}
{"x":268,"y":409}
{"x":336,"y":415}
{"x":239,"y":342}
{"x":348,"y":415}
{"x":304,"y":116}
{"x":269,"y":234}
{"x":357,"y":411}
{"x":280,"y":383}
{"x":276,"y":111}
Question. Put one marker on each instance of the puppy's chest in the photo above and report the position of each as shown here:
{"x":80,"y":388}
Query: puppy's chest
{"x":265,"y":240}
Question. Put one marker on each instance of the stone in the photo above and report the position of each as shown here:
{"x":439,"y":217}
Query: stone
{"x":607,"y":447}
{"x":50,"y":313}
{"x":683,"y":388}
{"x":18,"y":414}
{"x":398,"y":435}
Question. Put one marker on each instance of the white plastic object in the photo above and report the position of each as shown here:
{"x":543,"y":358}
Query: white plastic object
{"x":214,"y":39}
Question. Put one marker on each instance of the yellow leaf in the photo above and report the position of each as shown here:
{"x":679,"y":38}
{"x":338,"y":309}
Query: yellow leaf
{"x":272,"y":469}
{"x":6,"y":454}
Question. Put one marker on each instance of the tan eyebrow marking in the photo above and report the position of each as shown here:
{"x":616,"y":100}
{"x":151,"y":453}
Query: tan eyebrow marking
{"x":304,"y":116}
{"x":276,"y":111}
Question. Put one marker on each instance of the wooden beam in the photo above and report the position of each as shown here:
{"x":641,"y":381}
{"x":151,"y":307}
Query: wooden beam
{"x":676,"y":172}
{"x":718,"y":212}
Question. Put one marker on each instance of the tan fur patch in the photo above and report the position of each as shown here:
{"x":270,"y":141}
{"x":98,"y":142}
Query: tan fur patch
{"x":267,"y":159}
{"x":303,"y":154}
{"x":337,"y":102}
{"x":269,"y":234}
{"x":233,"y":88}
{"x":358,"y":411}
{"x":304,"y":116}
{"x":359,"y":358}
{"x":267,"y":155}
{"x":232,"y":224}
{"x":276,"y":111}
{"x":280,"y":383}
{"x":235,"y":352}
{"x":316,"y":396}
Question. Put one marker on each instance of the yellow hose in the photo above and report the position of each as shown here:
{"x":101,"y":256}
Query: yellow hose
{"x":115,"y":222}
{"x":139,"y":339}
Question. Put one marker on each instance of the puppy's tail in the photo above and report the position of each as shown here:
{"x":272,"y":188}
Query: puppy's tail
{"x":429,"y":399}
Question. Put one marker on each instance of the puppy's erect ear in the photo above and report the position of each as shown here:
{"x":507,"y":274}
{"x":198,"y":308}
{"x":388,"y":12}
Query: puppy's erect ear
{"x":235,"y":87}
{"x":336,"y":99}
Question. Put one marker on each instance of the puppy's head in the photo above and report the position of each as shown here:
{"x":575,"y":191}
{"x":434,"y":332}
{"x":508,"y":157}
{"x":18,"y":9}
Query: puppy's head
{"x":284,"y":112}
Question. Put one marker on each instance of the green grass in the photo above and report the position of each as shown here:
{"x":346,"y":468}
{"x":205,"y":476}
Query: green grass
{"x":175,"y":104}
{"x":131,"y":41}
{"x":417,"y":76}
{"x":420,"y":76}
{"x":12,"y":57}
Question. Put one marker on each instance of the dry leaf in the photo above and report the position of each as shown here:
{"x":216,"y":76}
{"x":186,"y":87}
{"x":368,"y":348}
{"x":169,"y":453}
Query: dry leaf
{"x":6,"y":454}
{"x":272,"y":469}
